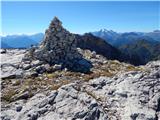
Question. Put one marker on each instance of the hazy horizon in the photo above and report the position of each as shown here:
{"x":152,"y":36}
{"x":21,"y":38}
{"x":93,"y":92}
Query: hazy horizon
{"x":80,"y":17}
{"x":19,"y":34}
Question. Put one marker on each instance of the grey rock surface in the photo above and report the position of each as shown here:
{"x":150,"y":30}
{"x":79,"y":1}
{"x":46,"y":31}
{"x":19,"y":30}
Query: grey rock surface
{"x":133,"y":95}
{"x":10,"y":62}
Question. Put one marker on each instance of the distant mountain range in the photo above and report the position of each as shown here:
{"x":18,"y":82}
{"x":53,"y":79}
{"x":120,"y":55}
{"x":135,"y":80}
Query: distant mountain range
{"x":21,"y":41}
{"x":134,"y":47}
{"x":118,"y":39}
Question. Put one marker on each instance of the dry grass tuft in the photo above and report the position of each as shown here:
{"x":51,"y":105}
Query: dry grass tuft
{"x":58,"y":85}
{"x":8,"y":95}
{"x":133,"y":68}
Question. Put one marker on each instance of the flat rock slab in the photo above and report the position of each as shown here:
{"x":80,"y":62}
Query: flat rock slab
{"x":13,"y":56}
{"x":10,"y":62}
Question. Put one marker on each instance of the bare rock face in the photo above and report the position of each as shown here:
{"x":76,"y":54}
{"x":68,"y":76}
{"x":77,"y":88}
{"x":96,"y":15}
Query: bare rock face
{"x":58,"y":47}
{"x":133,"y":95}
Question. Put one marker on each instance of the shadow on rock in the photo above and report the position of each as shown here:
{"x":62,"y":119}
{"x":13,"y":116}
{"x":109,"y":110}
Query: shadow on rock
{"x":81,"y":65}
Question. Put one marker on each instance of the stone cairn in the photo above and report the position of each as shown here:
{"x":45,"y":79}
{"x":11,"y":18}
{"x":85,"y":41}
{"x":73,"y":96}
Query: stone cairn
{"x":57,"y":48}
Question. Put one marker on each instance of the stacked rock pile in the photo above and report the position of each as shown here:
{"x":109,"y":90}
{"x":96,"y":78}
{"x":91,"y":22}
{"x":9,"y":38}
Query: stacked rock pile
{"x":58,"y":47}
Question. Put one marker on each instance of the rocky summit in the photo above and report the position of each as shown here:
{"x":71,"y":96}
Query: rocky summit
{"x":58,"y":81}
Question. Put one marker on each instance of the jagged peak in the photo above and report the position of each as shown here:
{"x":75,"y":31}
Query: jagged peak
{"x":105,"y":30}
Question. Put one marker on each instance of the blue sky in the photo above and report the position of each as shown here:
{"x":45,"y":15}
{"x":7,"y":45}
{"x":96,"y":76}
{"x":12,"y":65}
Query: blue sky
{"x":80,"y":17}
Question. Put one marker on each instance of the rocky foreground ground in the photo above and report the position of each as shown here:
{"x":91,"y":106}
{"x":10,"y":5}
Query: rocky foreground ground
{"x":111,"y":91}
